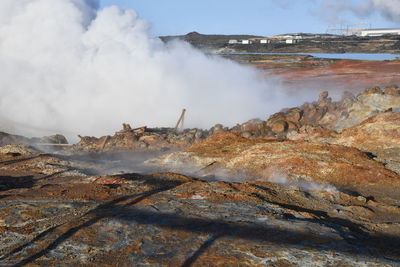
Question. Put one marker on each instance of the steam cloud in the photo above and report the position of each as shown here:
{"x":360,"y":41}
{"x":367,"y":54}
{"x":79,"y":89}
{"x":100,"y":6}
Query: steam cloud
{"x":68,"y":67}
{"x":282,"y":179}
{"x":390,"y":9}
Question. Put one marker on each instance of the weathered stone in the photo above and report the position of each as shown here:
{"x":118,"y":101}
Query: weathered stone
{"x":322,"y":96}
{"x":392,"y":90}
{"x":251,"y":126}
{"x":149,"y":139}
{"x":311,"y":133}
{"x":279,"y":126}
{"x":293,"y":115}
{"x":379,"y":135}
{"x":291,"y":126}
{"x":373,"y":90}
{"x":246,"y":134}
{"x":362,"y":199}
{"x":54,"y":139}
{"x":346,"y":95}
{"x":217,"y":128}
{"x":374,"y":134}
{"x":310,"y":112}
{"x":199,"y":134}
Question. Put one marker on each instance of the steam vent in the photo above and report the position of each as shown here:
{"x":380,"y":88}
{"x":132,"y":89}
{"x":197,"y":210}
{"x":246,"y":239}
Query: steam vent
{"x":121,"y":148}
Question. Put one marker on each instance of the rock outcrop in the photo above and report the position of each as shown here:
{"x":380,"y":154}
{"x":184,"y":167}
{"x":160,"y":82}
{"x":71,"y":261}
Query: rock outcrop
{"x":326,"y":114}
{"x":143,"y":139}
{"x":228,"y":156}
{"x":379,"y":136}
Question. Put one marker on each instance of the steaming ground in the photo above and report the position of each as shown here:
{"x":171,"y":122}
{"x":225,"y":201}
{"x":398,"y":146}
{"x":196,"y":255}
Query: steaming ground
{"x":112,"y":163}
{"x":70,"y":68}
{"x":134,"y":162}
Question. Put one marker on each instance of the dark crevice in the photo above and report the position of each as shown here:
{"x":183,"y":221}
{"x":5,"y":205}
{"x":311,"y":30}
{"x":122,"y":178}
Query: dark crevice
{"x":208,"y":243}
{"x":9,"y":162}
{"x":10,"y":182}
{"x":324,"y":219}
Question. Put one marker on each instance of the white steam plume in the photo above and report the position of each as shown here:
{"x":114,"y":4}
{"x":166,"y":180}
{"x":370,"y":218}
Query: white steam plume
{"x":68,"y":67}
{"x":390,"y":9}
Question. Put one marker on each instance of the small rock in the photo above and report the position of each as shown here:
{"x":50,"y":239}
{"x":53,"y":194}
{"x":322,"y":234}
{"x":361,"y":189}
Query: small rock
{"x":280,"y":127}
{"x":198,"y":134}
{"x":373,"y":90}
{"x":294,"y":115}
{"x":217,"y":128}
{"x":251,"y":125}
{"x":362,"y":199}
{"x":322,"y":96}
{"x":143,"y":144}
{"x":292,"y":126}
{"x":392,"y":90}
{"x":246,"y":134}
{"x":149,"y":139}
{"x":346,"y":95}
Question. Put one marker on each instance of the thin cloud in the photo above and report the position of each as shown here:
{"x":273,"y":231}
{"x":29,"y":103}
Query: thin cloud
{"x":334,"y":11}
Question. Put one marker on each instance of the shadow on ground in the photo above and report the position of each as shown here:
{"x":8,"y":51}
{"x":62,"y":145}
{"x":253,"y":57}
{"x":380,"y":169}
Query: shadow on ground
{"x":122,"y":209}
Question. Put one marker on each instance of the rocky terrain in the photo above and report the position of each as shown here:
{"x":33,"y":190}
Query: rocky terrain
{"x":305,"y":72}
{"x":351,"y":75}
{"x":314,"y":185}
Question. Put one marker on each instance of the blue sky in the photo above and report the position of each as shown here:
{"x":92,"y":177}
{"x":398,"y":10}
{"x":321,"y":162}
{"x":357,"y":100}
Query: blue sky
{"x":260,"y":17}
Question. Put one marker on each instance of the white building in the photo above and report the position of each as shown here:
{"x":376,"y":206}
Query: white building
{"x":295,"y":37}
{"x":233,"y":41}
{"x":246,"y":42}
{"x":265,"y":41}
{"x":378,"y":32}
{"x":292,"y":41}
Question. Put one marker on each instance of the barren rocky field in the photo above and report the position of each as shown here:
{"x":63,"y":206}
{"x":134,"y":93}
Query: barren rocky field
{"x":314,"y":185}
{"x":303,"y":72}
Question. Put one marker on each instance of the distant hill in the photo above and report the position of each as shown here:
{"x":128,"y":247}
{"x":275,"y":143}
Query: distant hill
{"x":208,"y":40}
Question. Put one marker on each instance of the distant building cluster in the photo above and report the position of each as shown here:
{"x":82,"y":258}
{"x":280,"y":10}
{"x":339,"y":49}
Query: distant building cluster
{"x":296,"y":38}
{"x":288,"y":39}
{"x":245,"y":42}
{"x":360,"y":29}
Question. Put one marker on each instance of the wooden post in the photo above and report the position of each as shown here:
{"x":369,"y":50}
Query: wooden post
{"x":140,"y":129}
{"x":126,"y":127}
{"x":181,"y":118}
{"x":103,"y":145}
{"x":55,"y":145}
